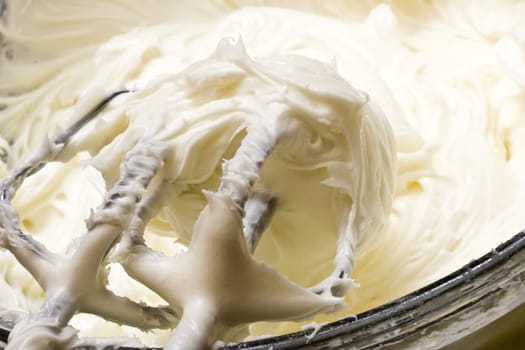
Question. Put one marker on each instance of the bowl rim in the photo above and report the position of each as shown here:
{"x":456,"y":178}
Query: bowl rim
{"x":470,"y":284}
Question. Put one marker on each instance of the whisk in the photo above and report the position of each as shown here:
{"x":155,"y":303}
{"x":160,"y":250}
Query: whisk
{"x":216,"y":283}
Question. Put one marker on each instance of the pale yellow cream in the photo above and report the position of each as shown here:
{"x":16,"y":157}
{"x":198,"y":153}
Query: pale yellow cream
{"x":448,"y":76}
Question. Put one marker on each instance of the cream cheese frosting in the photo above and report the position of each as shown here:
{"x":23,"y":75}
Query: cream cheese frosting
{"x":448,"y":76}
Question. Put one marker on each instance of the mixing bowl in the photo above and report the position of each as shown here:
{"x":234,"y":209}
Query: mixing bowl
{"x":432,"y":317}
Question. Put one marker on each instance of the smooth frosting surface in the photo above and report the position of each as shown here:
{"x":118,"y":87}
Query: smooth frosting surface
{"x":448,"y":76}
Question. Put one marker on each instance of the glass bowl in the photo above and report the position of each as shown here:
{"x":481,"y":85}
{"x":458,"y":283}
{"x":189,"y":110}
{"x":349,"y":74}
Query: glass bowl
{"x":430,"y":318}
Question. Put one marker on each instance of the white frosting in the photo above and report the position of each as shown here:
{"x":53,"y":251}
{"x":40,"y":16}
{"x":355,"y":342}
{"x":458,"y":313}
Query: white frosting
{"x":448,"y":76}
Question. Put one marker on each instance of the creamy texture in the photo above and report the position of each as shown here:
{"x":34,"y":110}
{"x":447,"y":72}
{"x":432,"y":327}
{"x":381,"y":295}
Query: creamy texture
{"x":317,"y":128}
{"x":449,"y":77}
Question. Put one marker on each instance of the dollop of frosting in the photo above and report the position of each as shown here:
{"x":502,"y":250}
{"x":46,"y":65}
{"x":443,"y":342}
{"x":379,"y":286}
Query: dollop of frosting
{"x":329,"y":139}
